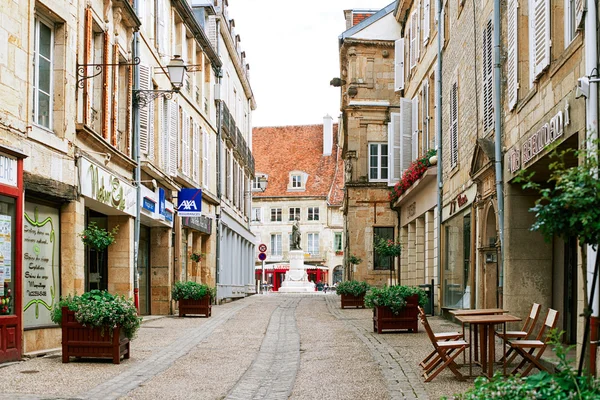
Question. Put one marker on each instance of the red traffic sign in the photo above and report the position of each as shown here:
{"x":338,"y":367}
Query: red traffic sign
{"x":262,"y":256}
{"x":262,"y":248}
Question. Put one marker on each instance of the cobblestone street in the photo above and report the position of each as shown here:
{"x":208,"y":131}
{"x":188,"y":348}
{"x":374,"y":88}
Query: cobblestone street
{"x":263,"y":347}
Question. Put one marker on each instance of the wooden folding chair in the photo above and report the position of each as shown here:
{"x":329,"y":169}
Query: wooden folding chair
{"x":523,"y":333}
{"x":527,"y":348}
{"x":447,"y":352}
{"x":441,"y":336}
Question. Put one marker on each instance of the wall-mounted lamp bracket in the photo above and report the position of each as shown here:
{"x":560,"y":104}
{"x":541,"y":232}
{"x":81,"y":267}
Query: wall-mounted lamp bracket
{"x":97,"y":70}
{"x":144,"y":97}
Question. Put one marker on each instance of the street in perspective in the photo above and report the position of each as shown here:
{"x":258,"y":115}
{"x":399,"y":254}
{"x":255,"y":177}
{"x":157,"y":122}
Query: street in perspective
{"x":265,"y":199}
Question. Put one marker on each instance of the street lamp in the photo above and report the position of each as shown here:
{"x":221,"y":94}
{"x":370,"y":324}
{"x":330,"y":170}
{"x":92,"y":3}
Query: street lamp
{"x":262,"y":183}
{"x":176,"y":70}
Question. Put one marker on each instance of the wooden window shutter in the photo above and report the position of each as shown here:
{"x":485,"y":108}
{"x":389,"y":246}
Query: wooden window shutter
{"x":415,"y":129}
{"x":442,"y":23}
{"x":512,"y":80}
{"x":425,"y":116}
{"x":399,"y":65}
{"x":129,"y":108}
{"x":87,"y":59}
{"x":185,"y":143}
{"x":144,"y":72}
{"x":151,"y":146}
{"x":539,"y":44}
{"x":488,"y":75}
{"x":426,"y":20}
{"x":173,"y":137}
{"x":406,"y":131}
{"x":205,"y":157}
{"x":115,"y":97}
{"x":105,"y":86}
{"x":196,"y":153}
{"x":418,"y":31}
{"x":454,"y":125}
{"x":164,"y":134}
{"x":394,"y":138}
{"x":413,"y":40}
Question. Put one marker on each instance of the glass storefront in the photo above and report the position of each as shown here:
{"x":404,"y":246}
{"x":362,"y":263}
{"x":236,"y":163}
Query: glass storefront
{"x":96,"y":261}
{"x":457,"y":262}
{"x":7,"y":255}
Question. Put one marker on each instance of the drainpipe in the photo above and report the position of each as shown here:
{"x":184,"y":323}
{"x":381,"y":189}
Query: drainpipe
{"x":219,"y":171}
{"x":498,"y":140}
{"x":438,"y":139}
{"x":136,"y":156}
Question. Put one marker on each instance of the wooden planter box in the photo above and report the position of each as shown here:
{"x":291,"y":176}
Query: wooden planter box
{"x":201,"y":306}
{"x":353,"y":301}
{"x":84,"y":341}
{"x":407,"y":318}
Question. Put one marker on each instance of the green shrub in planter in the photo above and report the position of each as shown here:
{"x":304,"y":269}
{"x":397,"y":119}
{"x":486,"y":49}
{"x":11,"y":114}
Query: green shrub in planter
{"x":565,"y":384}
{"x":98,"y":308}
{"x":192,"y":291}
{"x":352,"y":288}
{"x":394,"y":297}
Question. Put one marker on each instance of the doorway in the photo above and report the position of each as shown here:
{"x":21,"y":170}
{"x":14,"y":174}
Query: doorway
{"x":144,"y":270}
{"x":570,"y":292}
{"x":96,"y":262}
{"x":489,"y":260}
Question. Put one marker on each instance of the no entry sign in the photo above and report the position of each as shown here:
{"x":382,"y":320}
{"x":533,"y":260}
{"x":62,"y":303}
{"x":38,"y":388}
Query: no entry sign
{"x":262,"y":248}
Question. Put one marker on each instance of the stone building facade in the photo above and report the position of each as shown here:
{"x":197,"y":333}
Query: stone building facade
{"x":367,"y":102}
{"x":304,"y":180}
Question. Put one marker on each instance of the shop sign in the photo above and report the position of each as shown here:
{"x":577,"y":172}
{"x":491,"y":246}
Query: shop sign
{"x":101,"y":185}
{"x":189,"y":202}
{"x":202,"y":224}
{"x":168,"y":215}
{"x":8,"y":170}
{"x":161,"y":201}
{"x":535,"y":143}
{"x":40,"y":264}
{"x":149,"y":204}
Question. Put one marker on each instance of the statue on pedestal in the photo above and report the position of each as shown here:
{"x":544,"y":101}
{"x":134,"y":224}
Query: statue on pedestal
{"x":296,"y":235}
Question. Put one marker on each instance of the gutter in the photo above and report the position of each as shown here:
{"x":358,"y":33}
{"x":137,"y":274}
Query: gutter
{"x":438,"y":139}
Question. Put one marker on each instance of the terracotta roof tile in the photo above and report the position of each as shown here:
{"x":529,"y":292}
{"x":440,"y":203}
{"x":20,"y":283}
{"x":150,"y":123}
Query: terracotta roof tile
{"x":357,"y":18}
{"x":279,"y":150}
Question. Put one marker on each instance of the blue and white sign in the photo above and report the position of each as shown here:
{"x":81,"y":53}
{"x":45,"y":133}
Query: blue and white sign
{"x":161,"y":201}
{"x":189,"y":203}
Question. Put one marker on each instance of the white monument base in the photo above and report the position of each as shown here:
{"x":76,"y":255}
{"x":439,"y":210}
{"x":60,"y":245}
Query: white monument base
{"x":296,"y":279}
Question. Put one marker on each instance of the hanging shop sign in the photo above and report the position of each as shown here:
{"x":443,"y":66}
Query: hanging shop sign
{"x":8,"y":170}
{"x":202,"y":224}
{"x":40,"y":264}
{"x":189,"y":202}
{"x":535,"y":143}
{"x":105,"y":187}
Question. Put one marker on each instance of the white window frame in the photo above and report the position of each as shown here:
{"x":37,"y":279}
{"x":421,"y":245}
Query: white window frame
{"x":276,"y":244}
{"x":36,"y":90}
{"x":570,"y":21}
{"x":257,"y":214}
{"x":313,"y":214}
{"x":379,"y":163}
{"x":276,"y":214}
{"x":338,"y":241}
{"x":296,"y":213}
{"x":425,"y":116}
{"x":312,"y":240}
{"x":296,"y":181}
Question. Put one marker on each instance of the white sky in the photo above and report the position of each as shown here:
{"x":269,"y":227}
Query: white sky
{"x":292,"y":49}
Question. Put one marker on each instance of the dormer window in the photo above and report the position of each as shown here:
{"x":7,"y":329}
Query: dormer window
{"x":297,"y":180}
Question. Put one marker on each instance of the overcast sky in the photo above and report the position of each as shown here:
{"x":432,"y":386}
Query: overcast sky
{"x":292,"y":49}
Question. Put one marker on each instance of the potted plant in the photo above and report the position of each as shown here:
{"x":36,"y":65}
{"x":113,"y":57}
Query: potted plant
{"x":96,"y":324}
{"x":98,"y":239}
{"x":388,"y":248}
{"x":353,"y":293}
{"x":193,"y":298}
{"x":196,"y":257}
{"x":395,"y":307}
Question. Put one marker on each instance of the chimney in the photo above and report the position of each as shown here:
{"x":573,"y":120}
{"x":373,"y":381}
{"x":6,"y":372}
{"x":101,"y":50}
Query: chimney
{"x":327,"y":135}
{"x":348,"y":18}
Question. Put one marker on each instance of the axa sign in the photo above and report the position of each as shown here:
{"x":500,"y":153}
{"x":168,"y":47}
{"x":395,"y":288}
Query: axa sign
{"x":189,"y":203}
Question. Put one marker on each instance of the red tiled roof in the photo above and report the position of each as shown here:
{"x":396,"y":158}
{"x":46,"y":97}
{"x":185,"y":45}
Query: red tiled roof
{"x":357,"y":18}
{"x":279,"y":150}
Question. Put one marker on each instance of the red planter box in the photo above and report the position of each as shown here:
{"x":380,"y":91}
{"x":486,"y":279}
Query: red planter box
{"x":84,"y":341}
{"x":353,"y":301}
{"x":407,"y":318}
{"x":201,"y":306}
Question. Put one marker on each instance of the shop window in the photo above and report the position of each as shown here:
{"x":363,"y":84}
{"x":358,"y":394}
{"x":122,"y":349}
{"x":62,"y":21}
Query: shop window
{"x":313,"y":244}
{"x":7,"y":255}
{"x":457,"y":262}
{"x":276,"y":248}
{"x":294,"y":213}
{"x":313,"y":213}
{"x":275,"y":214}
{"x":382,"y":263}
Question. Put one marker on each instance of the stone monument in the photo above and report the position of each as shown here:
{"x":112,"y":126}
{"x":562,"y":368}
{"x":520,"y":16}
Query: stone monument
{"x":296,"y":279}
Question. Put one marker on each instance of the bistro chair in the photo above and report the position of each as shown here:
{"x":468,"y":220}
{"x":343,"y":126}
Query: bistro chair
{"x":527,"y":348}
{"x":523,"y":333}
{"x":441,"y":336}
{"x":446,"y":351}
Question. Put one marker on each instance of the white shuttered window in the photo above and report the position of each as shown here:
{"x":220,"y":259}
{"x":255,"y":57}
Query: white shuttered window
{"x":539,"y":37}
{"x":185,"y":143}
{"x":406,"y":131}
{"x":415,"y":129}
{"x":425,"y":116}
{"x":488,"y":78}
{"x":512,"y":63}
{"x":394,"y":139}
{"x":454,"y":125}
{"x":426,"y":20}
{"x":164,"y":134}
{"x":196,"y":153}
{"x":144,"y":119}
{"x":173,"y":137}
{"x":205,"y":158}
{"x":399,"y":64}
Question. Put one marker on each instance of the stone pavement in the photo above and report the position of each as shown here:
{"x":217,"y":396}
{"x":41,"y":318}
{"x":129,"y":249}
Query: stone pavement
{"x":273,"y":346}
